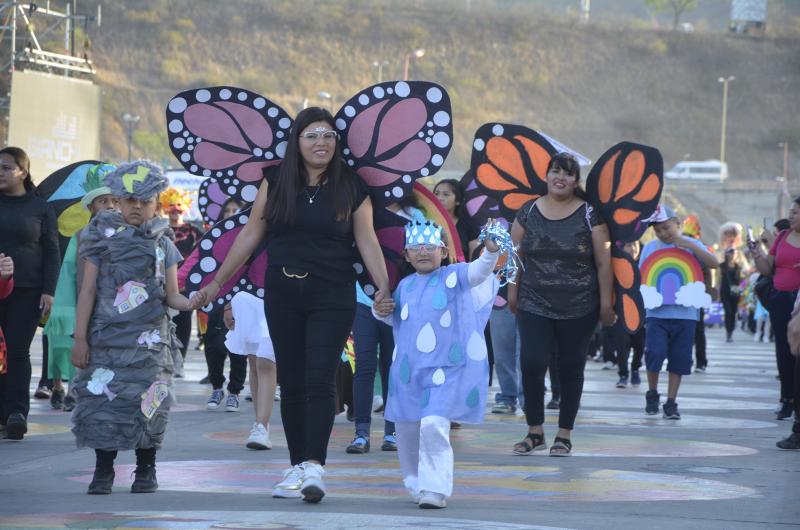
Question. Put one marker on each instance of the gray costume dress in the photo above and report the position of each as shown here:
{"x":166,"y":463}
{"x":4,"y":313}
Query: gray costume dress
{"x":125,"y":393}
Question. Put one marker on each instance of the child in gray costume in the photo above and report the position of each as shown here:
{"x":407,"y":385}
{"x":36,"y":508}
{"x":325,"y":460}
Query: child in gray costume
{"x":125,"y":344}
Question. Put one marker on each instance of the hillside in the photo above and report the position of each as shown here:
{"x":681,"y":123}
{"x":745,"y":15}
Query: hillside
{"x":587,"y":85}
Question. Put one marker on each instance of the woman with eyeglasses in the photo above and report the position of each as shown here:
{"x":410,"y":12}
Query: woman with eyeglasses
{"x":316,"y":216}
{"x":564,"y":288}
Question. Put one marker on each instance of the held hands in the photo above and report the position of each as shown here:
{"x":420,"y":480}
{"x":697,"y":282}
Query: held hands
{"x":80,"y":353}
{"x":383,"y":304}
{"x":45,"y":304}
{"x":206,"y":294}
{"x":227,"y":317}
{"x":6,"y":266}
{"x":607,"y":316}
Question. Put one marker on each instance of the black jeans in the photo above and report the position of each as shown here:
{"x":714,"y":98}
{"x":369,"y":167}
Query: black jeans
{"x":781,"y":304}
{"x":216,"y":352}
{"x":621,"y":342}
{"x":730,"y":304}
{"x":368,"y":334}
{"x":183,"y":329}
{"x":539,"y":337}
{"x":309,"y":321}
{"x":19,"y":316}
{"x":701,"y":361}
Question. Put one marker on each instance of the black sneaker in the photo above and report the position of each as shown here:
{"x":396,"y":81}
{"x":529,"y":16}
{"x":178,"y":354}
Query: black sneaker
{"x":102,"y":481}
{"x":652,"y":397}
{"x":69,"y":402}
{"x":145,"y":481}
{"x":635,"y":379}
{"x":792,"y":442}
{"x":16,"y":426}
{"x":785,"y":412}
{"x":554,"y":404}
{"x":57,"y":399}
{"x":358,"y":446}
{"x":671,"y":410}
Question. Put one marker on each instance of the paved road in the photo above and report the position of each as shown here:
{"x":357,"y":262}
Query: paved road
{"x":716,"y":468}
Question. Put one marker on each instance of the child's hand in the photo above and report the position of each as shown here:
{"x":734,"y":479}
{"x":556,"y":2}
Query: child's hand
{"x":80,"y":353}
{"x":6,"y":266}
{"x":490,"y":244}
{"x":227,"y":317}
{"x":384,"y":307}
{"x":196,"y":301}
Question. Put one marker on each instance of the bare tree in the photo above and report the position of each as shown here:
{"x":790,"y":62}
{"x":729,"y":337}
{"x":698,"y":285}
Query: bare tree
{"x":676,"y":7}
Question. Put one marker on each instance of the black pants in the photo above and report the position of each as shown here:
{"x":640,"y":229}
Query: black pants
{"x":368,"y":334}
{"x":309,"y":321}
{"x":19,"y":316}
{"x":700,"y":341}
{"x":730,"y":304}
{"x":216,"y":352}
{"x":44,"y":379}
{"x":781,"y":304}
{"x":183,"y":329}
{"x":620,"y":342}
{"x":539,"y":337}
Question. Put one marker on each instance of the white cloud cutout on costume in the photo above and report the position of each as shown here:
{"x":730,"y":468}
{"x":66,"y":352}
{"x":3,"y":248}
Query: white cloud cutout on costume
{"x":693,"y":295}
{"x":651,"y":297}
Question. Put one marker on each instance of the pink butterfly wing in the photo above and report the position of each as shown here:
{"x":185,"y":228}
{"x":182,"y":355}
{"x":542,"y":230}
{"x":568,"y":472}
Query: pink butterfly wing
{"x":394,"y":133}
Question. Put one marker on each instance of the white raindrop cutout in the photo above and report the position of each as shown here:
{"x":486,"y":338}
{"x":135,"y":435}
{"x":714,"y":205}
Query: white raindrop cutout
{"x":438,"y":377}
{"x":476,"y":347}
{"x":404,"y":312}
{"x":394,"y":353}
{"x":451,"y":280}
{"x":426,"y":340}
{"x":446,"y":319}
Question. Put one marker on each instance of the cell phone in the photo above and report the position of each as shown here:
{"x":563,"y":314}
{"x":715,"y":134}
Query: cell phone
{"x":750,"y":233}
{"x":767,"y":223}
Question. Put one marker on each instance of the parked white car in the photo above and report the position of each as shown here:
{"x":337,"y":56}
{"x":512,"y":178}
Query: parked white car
{"x":712,"y":170}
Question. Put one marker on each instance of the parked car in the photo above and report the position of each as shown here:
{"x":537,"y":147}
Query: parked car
{"x":712,"y":170}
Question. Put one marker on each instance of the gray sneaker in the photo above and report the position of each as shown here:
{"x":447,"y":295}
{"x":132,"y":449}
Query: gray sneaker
{"x":216,"y":398}
{"x":232,"y":403}
{"x":501,"y":407}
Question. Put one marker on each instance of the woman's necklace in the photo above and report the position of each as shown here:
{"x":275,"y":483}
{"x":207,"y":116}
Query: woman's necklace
{"x":312,"y":197}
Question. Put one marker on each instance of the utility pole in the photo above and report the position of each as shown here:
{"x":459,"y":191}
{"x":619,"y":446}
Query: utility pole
{"x":724,"y":81}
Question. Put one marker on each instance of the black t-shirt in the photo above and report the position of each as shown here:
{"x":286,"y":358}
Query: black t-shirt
{"x":316,"y":242}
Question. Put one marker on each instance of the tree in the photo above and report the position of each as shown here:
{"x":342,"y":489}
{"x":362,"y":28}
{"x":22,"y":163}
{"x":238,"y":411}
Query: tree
{"x":677,"y":7}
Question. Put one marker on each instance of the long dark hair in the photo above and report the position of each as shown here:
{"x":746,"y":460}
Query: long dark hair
{"x":23,"y":161}
{"x":458,"y":191}
{"x":570,"y":164}
{"x":292,"y":177}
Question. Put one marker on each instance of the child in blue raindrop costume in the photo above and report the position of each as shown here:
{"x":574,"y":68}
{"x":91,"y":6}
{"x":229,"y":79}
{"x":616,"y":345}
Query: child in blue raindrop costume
{"x":440,"y":370}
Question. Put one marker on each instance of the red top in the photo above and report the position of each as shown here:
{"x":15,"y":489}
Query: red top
{"x":787,"y":264}
{"x":6,"y":286}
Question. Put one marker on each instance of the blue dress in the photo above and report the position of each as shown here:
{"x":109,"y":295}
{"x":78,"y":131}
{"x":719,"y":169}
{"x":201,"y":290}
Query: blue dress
{"x":440,"y":365}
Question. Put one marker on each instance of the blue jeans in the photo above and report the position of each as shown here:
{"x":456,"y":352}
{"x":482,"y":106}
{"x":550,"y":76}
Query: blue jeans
{"x":505,"y":342}
{"x":368,"y":334}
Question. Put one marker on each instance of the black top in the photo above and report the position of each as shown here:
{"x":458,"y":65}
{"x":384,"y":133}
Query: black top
{"x":316,"y":242}
{"x":467,"y":231}
{"x":560,"y":277}
{"x":28,"y":234}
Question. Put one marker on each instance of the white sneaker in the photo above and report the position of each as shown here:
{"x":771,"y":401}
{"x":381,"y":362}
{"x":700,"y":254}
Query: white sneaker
{"x":289,"y":487}
{"x":277,"y":393}
{"x":377,"y":403}
{"x":259,"y":437}
{"x":608,"y":365}
{"x":313,"y":488}
{"x":430,"y":499}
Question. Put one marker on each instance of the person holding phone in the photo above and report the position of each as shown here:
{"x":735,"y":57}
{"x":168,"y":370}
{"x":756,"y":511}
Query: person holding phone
{"x":731,"y":268}
{"x":28,"y":234}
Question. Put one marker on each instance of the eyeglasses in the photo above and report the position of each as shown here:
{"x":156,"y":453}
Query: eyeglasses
{"x":416,"y":249}
{"x":313,"y":136}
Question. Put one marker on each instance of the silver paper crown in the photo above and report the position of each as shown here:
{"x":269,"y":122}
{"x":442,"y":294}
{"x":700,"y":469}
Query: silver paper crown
{"x":427,"y":233}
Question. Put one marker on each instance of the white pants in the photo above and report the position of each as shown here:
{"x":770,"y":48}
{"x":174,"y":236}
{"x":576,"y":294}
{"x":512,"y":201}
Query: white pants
{"x":426,"y":457}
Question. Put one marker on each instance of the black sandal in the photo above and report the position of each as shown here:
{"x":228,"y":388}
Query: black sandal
{"x":532,"y":442}
{"x":561,"y":447}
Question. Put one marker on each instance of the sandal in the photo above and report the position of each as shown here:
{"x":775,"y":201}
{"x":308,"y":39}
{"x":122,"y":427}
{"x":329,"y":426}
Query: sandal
{"x":561,"y":447}
{"x":532,"y":442}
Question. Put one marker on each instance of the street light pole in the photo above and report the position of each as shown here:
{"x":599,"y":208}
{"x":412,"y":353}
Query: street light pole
{"x":724,"y":81}
{"x":130,"y":121}
{"x":379,"y":65}
{"x":417,"y":54}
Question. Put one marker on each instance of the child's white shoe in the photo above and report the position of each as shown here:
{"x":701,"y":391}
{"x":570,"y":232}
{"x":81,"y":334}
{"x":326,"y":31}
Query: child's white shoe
{"x":430,"y":499}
